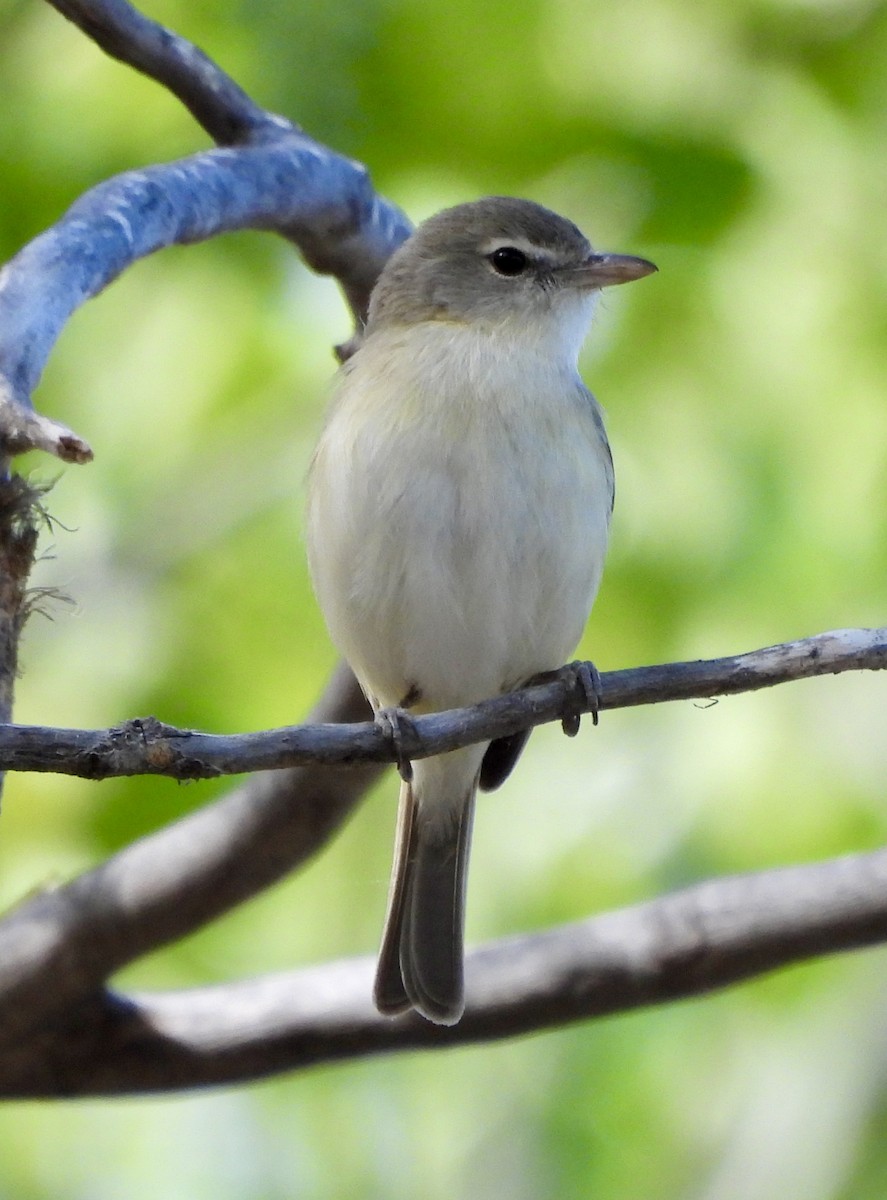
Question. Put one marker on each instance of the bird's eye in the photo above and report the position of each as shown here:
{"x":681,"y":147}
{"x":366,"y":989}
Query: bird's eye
{"x":509,"y":261}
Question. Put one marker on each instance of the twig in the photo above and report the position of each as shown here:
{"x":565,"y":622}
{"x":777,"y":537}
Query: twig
{"x":146,"y":746}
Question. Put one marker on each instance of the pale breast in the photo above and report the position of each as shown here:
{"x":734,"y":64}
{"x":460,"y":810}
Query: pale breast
{"x":458,"y":517}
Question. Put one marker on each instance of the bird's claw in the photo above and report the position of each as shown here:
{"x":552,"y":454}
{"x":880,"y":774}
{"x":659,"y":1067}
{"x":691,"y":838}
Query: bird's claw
{"x":395,"y":724}
{"x":584,"y":695}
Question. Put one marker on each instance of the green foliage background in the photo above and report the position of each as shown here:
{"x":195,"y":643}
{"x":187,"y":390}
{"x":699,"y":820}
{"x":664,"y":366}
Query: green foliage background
{"x":741,"y":146}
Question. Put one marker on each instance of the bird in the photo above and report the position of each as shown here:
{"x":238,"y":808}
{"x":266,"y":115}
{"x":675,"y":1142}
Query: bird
{"x":458,"y":508}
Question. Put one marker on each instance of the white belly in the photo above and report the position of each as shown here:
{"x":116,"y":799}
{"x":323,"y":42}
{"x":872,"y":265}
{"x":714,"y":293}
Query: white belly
{"x":457,"y":533}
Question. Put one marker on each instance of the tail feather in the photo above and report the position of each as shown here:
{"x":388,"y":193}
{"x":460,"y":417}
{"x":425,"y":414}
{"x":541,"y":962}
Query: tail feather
{"x":389,"y":993}
{"x":421,"y":959}
{"x":432,"y":935}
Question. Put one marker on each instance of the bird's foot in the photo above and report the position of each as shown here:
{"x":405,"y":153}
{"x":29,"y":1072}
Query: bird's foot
{"x":397,"y":726}
{"x":584,"y":695}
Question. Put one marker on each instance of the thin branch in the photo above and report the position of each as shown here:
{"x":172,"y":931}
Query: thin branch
{"x":686,"y":944}
{"x":145,"y":746}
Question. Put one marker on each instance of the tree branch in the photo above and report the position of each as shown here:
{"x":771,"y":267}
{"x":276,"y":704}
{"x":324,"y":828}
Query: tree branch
{"x":60,"y":945}
{"x":705,"y":937}
{"x":146,"y":746}
{"x":279,"y":180}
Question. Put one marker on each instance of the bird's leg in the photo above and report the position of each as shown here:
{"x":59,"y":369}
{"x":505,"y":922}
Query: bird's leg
{"x":397,"y":727}
{"x":584,"y":695}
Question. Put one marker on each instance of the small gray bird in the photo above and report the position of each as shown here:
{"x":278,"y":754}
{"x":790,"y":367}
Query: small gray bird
{"x":459,"y":503}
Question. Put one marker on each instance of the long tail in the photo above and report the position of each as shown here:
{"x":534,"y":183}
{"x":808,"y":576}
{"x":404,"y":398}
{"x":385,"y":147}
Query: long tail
{"x":420,"y":962}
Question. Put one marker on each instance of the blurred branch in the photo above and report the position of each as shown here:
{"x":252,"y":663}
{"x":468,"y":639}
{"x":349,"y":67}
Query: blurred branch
{"x":60,"y":945}
{"x":145,"y":746}
{"x":58,"y":948}
{"x":685,"y":944}
{"x":271,"y":176}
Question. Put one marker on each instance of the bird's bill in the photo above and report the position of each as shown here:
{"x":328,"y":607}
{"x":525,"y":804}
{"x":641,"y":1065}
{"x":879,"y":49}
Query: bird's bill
{"x":606,"y":270}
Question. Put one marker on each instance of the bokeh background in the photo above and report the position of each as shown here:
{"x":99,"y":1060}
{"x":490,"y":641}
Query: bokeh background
{"x":741,"y":145}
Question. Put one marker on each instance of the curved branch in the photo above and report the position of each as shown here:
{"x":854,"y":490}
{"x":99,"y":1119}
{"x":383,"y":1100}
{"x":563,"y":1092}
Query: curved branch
{"x":705,"y":937}
{"x":279,"y":180}
{"x":145,"y":746}
{"x":293,"y":186}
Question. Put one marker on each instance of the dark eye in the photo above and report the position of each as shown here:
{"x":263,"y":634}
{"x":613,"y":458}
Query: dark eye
{"x":508,"y":260}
